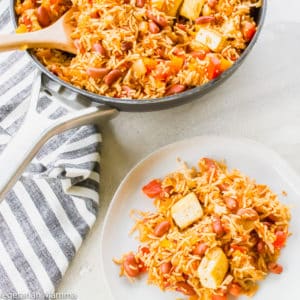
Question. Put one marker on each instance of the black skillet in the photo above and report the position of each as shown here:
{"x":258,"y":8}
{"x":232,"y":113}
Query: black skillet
{"x":159,"y":103}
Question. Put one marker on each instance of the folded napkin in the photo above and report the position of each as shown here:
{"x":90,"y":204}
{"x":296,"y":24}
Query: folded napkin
{"x":47,"y":215}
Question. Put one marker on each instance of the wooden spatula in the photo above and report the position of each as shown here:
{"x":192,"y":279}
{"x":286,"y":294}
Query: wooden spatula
{"x":55,"y":36}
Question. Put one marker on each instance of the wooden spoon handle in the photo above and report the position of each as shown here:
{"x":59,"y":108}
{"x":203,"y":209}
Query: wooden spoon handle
{"x":45,"y":38}
{"x":21,"y":41}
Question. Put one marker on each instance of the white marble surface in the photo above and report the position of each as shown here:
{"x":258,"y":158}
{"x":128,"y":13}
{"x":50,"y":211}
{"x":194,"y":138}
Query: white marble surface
{"x":260,"y":101}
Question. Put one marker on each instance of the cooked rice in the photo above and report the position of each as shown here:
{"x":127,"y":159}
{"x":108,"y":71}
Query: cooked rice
{"x":151,"y":65}
{"x":252,"y":246}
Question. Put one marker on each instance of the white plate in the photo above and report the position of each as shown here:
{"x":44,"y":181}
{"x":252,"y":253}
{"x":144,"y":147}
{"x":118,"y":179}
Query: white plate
{"x":253,"y":159}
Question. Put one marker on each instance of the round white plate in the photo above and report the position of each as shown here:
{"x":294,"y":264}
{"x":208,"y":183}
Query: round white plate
{"x":253,"y":159}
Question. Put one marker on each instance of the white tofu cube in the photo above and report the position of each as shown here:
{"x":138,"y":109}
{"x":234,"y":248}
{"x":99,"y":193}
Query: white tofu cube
{"x":210,"y":38}
{"x":191,"y":9}
{"x":186,"y":211}
{"x":213,"y":268}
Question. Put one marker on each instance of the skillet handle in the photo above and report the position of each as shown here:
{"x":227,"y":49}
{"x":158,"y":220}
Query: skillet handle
{"x":33,"y":134}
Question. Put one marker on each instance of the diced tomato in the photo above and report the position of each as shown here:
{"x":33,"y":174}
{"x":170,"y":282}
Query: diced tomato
{"x":209,"y":163}
{"x":21,"y":28}
{"x":27,"y":21}
{"x":214,"y":68}
{"x":225,"y":64}
{"x":162,"y":73}
{"x":280,"y":239}
{"x":144,"y":250}
{"x":150,"y":64}
{"x":235,"y":289}
{"x":167,"y":68}
{"x":176,"y":64}
{"x":249,"y":30}
{"x":153,"y":188}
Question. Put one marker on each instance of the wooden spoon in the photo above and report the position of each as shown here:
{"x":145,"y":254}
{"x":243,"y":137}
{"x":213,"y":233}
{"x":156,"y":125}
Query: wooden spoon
{"x":55,"y":36}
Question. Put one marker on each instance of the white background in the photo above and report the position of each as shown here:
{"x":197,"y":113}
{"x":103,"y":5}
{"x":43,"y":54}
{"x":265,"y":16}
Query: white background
{"x":260,"y":101}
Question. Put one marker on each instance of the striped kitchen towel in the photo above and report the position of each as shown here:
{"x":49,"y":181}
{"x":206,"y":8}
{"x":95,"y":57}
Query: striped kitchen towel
{"x":47,"y":215}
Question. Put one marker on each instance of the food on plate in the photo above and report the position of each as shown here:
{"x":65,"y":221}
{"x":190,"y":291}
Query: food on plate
{"x":214,"y":233}
{"x":143,"y":49}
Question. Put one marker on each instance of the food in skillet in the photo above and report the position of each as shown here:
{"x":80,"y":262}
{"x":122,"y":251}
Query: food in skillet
{"x":144,"y":48}
{"x":214,"y":233}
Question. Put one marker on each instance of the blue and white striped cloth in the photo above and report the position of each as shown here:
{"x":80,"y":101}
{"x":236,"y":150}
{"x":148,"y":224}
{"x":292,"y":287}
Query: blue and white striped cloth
{"x":47,"y":215}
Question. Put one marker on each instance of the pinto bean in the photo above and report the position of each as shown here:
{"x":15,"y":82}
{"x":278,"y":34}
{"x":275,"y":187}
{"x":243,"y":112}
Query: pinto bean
{"x":97,"y":47}
{"x":223,"y":187}
{"x":212,"y":3}
{"x":166,"y":267}
{"x":248,"y":214}
{"x":126,"y":45}
{"x":275,"y":268}
{"x":175,"y":89}
{"x":153,"y":27}
{"x":260,"y":247}
{"x":204,"y":19}
{"x":112,"y":76}
{"x":231,"y":203}
{"x":162,"y":228}
{"x":43,"y":16}
{"x":217,"y":225}
{"x":200,"y":249}
{"x":97,"y":73}
{"x":181,"y":26}
{"x":159,"y":20}
{"x":140,"y":3}
{"x":130,"y":265}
